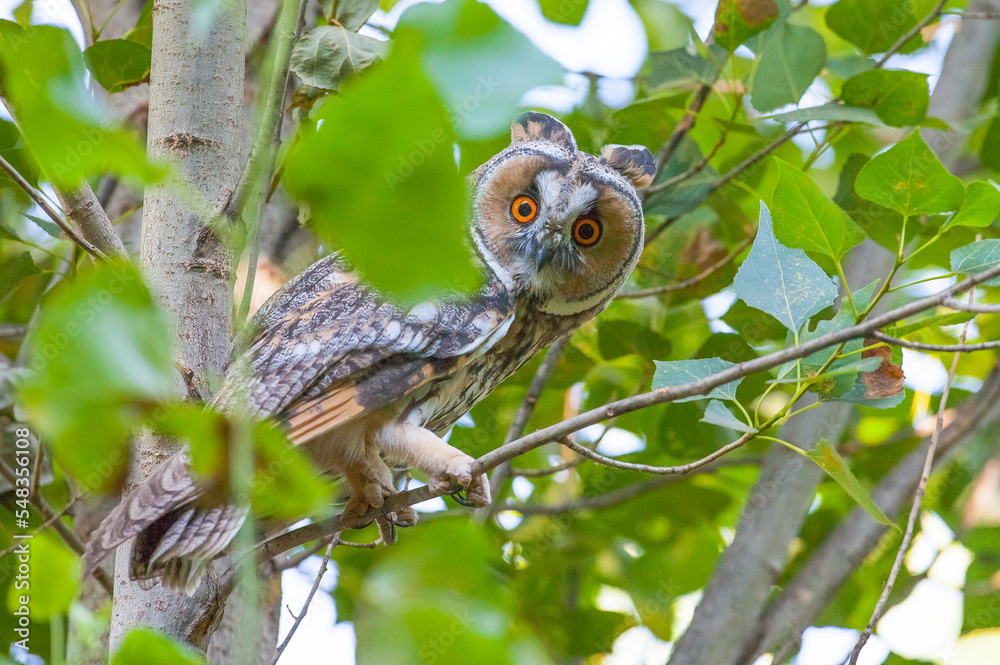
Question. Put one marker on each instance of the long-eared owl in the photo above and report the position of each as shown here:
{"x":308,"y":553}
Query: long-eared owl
{"x":355,"y":379}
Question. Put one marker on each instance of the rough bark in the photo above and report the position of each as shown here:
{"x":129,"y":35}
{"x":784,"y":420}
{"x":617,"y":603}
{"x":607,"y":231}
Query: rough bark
{"x":224,"y":649}
{"x":195,"y":121}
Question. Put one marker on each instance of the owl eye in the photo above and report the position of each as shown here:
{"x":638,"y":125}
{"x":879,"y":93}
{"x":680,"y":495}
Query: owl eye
{"x":586,"y":231}
{"x":523,"y":209}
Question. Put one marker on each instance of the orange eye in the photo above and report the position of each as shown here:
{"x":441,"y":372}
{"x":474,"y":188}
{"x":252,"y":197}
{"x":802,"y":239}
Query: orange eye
{"x":586,"y":231}
{"x":523,"y":209}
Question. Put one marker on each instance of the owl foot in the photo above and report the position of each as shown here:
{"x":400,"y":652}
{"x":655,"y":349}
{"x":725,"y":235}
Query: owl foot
{"x":358,"y":512}
{"x":457,"y":477}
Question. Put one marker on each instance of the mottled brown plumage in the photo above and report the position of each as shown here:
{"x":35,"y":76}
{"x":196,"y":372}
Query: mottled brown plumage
{"x":355,"y":379}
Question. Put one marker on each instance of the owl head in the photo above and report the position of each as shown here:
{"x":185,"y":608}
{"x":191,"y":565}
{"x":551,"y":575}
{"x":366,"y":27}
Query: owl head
{"x":558,"y":226}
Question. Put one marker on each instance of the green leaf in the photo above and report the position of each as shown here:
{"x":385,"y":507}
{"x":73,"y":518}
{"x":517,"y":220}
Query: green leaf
{"x":899,"y":98}
{"x":327,"y":56}
{"x":793,"y":56}
{"x":875,"y":25}
{"x":828,"y":459}
{"x":118,"y":64}
{"x":50,"y":560}
{"x":49,"y":227}
{"x":406,"y":228}
{"x":806,"y":218}
{"x":981,"y":206}
{"x":616,"y":338}
{"x":479,"y":64}
{"x":144,"y":645}
{"x":285,"y":483}
{"x":142,"y":33}
{"x":909,"y":179}
{"x":738,"y":20}
{"x":679,"y":372}
{"x":14,"y":271}
{"x":851,"y":366}
{"x":686,"y":67}
{"x":754,"y":325}
{"x":567,"y":12}
{"x":69,"y":135}
{"x":100,"y":360}
{"x":977,"y":257}
{"x":938,"y":320}
{"x":352,"y":14}
{"x":22,"y":13}
{"x":989,"y":152}
{"x":835,"y":111}
{"x":716,"y":413}
{"x":882,"y":225}
{"x":783,"y":282}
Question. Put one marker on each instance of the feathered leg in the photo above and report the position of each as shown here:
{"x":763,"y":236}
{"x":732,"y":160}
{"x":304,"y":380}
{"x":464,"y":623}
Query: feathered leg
{"x":448,"y":469}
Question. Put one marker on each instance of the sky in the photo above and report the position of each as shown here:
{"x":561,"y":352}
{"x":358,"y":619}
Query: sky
{"x":610,"y":41}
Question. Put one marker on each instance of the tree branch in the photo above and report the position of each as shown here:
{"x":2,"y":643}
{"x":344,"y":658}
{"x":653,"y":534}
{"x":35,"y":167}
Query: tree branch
{"x":82,"y":206}
{"x":703,"y":386}
{"x":938,"y":348}
{"x":620,"y":495}
{"x":310,"y":532}
{"x":688,"y":283}
{"x":681,"y":470}
{"x":978,"y":308}
{"x":37,"y":197}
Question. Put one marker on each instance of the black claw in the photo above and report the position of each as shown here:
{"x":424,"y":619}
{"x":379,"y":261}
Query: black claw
{"x":460,"y":499}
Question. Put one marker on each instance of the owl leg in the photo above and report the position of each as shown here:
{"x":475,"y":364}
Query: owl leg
{"x":448,"y":469}
{"x":371,"y":483}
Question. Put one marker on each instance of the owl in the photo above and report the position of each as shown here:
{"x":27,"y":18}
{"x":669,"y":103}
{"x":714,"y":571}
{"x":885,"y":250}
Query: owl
{"x":355,"y":379}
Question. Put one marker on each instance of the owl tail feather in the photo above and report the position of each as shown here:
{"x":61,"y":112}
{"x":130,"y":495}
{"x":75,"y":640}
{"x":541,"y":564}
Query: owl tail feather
{"x":176,"y":538}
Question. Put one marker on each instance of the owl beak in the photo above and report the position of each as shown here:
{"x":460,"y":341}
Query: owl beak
{"x":543,"y":256}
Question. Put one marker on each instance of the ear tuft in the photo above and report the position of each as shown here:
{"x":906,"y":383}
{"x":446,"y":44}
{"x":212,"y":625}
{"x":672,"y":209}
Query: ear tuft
{"x":635,"y":162}
{"x":532,"y":126}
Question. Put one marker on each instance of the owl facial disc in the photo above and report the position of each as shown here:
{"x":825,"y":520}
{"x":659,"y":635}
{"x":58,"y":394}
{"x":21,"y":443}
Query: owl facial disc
{"x":556,"y":225}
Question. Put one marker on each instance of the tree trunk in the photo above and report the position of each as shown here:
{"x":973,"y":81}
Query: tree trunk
{"x":195,"y":122}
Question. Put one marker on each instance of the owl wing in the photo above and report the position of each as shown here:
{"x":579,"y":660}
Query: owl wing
{"x":325,"y":349}
{"x":330,"y":349}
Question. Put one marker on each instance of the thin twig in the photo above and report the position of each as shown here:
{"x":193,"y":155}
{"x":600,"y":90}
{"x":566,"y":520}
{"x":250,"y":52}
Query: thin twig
{"x":305,"y":605}
{"x":49,"y":210}
{"x":547,"y":471}
{"x":51,"y":517}
{"x":12,"y":332}
{"x":683,"y":127}
{"x":622,"y":494}
{"x":688,"y":283}
{"x":938,"y":348}
{"x":655,"y":470}
{"x":914,"y":509}
{"x":970,"y":306}
{"x":927,"y":20}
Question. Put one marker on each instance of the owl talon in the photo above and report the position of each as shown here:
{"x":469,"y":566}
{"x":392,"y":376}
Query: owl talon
{"x":461,"y":500}
{"x":456,"y":477}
